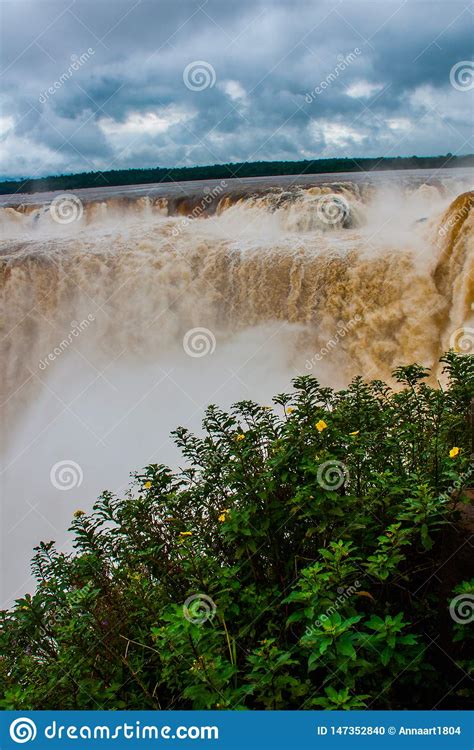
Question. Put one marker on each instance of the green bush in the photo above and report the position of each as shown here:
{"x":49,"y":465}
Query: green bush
{"x":306,"y":557}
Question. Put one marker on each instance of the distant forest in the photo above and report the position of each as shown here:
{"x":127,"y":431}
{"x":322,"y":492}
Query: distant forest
{"x":228,"y":171}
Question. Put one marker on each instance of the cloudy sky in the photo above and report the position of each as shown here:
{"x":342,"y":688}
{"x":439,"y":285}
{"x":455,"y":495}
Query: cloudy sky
{"x":104,"y":84}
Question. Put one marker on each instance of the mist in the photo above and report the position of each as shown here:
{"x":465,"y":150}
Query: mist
{"x":131,"y":318}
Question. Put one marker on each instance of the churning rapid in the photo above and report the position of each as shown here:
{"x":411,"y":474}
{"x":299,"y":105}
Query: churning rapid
{"x":101,"y":298}
{"x":393,"y":266}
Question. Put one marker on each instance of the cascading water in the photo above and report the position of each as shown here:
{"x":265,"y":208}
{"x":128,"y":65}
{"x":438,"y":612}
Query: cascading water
{"x":333,"y":280}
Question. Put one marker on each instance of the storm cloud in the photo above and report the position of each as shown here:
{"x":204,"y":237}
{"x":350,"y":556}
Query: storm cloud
{"x":140,"y":83}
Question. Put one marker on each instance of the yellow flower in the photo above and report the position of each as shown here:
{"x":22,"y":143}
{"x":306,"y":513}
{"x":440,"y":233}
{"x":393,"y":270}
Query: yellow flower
{"x":290,"y":410}
{"x":147,"y":485}
{"x":240,"y":437}
{"x":321,"y":425}
{"x":454,"y":452}
{"x":354,"y":433}
{"x":185,"y":533}
{"x":222,"y":516}
{"x":79,"y":513}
